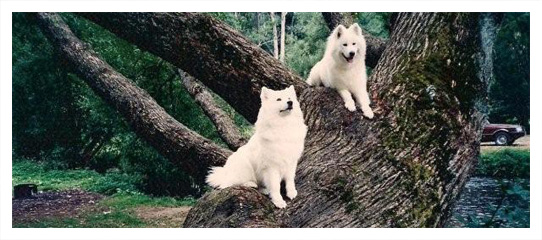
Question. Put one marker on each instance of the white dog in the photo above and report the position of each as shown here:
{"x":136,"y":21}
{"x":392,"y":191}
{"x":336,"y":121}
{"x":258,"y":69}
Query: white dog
{"x":271,"y":154}
{"x":343,"y":68}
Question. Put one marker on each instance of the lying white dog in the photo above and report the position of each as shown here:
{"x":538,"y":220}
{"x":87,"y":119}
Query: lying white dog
{"x":271,"y":154}
{"x":343,"y":68}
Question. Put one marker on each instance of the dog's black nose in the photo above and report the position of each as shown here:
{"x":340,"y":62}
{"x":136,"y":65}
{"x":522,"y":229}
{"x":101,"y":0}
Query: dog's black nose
{"x":352,"y":54}
{"x":290,"y":103}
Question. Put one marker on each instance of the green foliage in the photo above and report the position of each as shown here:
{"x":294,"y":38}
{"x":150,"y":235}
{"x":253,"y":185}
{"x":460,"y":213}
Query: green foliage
{"x":375,"y":23}
{"x":256,"y":26}
{"x":305,"y":42}
{"x":42,"y":125}
{"x":509,"y":94}
{"x":505,"y":163}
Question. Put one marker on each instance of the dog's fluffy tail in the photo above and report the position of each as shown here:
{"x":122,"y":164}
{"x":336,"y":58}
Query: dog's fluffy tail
{"x":218,"y":178}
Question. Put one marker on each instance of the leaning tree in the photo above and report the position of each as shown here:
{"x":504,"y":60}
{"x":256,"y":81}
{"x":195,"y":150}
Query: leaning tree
{"x":405,"y":168}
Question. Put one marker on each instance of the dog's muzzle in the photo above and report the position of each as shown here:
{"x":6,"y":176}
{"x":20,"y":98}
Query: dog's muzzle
{"x":350,"y":57}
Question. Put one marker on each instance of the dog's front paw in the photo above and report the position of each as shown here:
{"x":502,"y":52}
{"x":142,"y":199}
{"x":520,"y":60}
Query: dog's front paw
{"x":291,"y":194}
{"x":264,"y":191}
{"x":279,"y":203}
{"x":368,"y":112}
{"x":250,"y":184}
{"x":351,"y":106}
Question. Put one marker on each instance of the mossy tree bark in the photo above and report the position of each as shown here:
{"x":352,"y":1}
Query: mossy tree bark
{"x":405,"y":168}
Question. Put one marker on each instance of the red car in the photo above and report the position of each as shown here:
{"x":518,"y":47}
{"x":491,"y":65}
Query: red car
{"x":502,"y":134}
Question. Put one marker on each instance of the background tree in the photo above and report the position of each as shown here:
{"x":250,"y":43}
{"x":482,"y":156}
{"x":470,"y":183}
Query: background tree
{"x":282,"y":35}
{"x":275,"y":36}
{"x":509,"y":93}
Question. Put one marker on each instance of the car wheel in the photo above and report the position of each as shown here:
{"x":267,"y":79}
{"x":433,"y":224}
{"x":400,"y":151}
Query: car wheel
{"x":502,"y":139}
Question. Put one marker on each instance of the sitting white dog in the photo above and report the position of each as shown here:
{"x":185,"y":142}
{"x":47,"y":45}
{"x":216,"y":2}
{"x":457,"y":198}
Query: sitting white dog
{"x":271,"y":154}
{"x":343,"y":68}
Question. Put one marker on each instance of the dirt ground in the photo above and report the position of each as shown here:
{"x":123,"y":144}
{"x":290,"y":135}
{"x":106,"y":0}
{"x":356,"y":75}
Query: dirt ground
{"x":75,"y":203}
{"x":162,"y":217}
{"x":61,"y":204}
{"x":522,"y":143}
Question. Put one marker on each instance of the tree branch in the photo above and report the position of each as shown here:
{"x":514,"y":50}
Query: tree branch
{"x":224,"y":124}
{"x":206,"y":49}
{"x":185,"y":148}
{"x":375,"y":46}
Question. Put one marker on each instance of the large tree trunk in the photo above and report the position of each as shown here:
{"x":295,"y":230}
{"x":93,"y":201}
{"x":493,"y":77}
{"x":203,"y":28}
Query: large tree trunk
{"x":375,"y":45}
{"x":404,"y":168}
{"x":180,"y":145}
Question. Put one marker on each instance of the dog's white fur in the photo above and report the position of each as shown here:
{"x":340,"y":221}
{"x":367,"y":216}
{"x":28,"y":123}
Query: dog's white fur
{"x":272,"y":153}
{"x":336,"y":70}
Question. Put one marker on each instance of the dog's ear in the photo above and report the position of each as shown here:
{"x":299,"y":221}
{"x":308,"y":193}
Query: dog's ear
{"x":339,"y":31}
{"x":356,"y":28}
{"x":264,"y":94}
{"x":291,"y":89}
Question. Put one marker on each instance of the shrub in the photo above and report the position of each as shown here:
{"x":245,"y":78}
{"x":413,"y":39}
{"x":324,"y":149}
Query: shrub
{"x":505,"y":163}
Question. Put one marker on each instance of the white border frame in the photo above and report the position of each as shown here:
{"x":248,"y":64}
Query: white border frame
{"x":7,"y":7}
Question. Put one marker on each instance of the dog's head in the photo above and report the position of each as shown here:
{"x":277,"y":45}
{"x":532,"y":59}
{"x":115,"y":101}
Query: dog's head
{"x":349,"y":43}
{"x":282,"y":102}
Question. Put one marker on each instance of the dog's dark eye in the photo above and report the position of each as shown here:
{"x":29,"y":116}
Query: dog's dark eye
{"x":278,"y":99}
{"x":353,"y":43}
{"x":346,"y":44}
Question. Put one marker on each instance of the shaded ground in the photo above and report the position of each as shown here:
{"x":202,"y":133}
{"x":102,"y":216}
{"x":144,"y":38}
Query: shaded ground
{"x":521,"y":143}
{"x":162,"y":217}
{"x":62,"y":204}
{"x":488,"y":202}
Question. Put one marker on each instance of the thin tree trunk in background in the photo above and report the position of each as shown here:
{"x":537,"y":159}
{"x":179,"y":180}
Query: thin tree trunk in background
{"x":182,"y":146}
{"x":275,"y":36}
{"x":282,"y":35}
{"x":404,"y":168}
{"x":226,"y":128}
{"x":375,"y":46}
